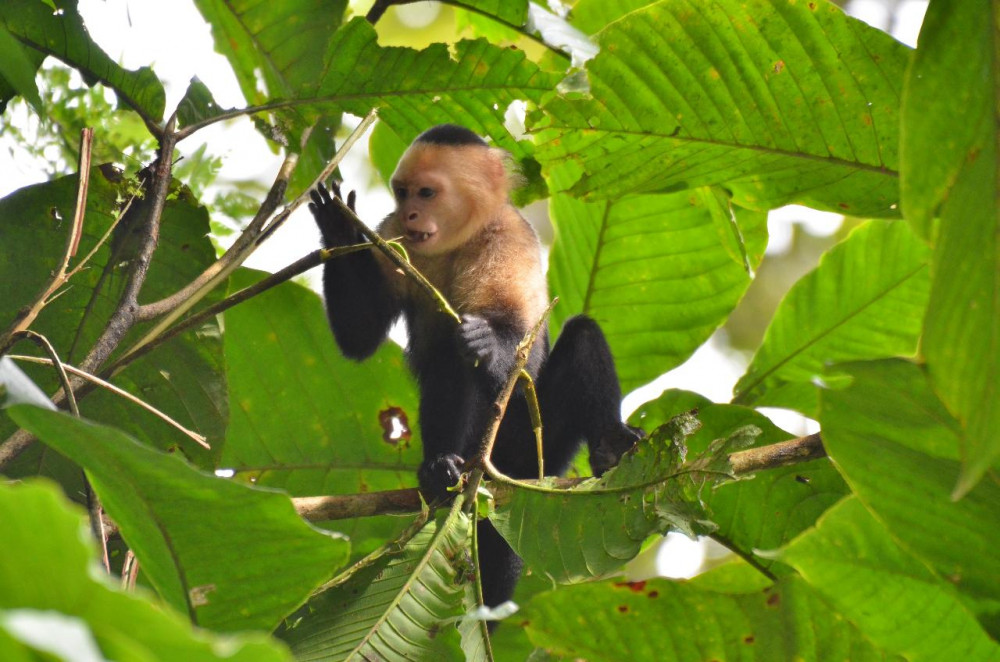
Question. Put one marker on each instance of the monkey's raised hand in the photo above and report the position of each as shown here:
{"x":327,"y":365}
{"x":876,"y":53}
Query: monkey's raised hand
{"x":437,"y":474}
{"x":334,"y":224}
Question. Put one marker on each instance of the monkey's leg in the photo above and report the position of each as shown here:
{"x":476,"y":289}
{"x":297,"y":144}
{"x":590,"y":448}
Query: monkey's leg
{"x":499,"y":566}
{"x":580,"y":399}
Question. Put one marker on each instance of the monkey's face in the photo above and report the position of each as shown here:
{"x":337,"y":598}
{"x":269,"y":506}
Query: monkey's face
{"x":436,"y":206}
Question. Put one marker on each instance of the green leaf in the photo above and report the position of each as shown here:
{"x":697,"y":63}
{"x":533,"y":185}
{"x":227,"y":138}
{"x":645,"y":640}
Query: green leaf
{"x":594,"y":15}
{"x":865,"y":300}
{"x":398,"y":604}
{"x":893,"y":598}
{"x":961,"y":339}
{"x":951,"y":75}
{"x":955,"y":74}
{"x":659,"y":272}
{"x":512,"y":12}
{"x":275,"y":49}
{"x":780,"y":101}
{"x":665,"y":620}
{"x":231,"y":557}
{"x":48,"y":573}
{"x":185,"y":377}
{"x":197,"y":105}
{"x":595,"y":527}
{"x":63,"y":35}
{"x":335,"y":433}
{"x":891,"y":439}
{"x":762,"y":512}
{"x":470,"y":83}
{"x":17,"y":70}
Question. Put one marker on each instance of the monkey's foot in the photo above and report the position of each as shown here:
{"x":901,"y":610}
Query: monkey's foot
{"x":437,"y":474}
{"x":612,"y":445}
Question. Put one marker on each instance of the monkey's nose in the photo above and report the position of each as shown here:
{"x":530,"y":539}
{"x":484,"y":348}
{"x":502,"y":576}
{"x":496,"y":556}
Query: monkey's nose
{"x":413,"y":216}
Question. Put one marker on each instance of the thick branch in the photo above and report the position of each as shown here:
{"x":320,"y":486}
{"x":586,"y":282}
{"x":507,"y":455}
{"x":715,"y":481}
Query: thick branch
{"x":317,"y":509}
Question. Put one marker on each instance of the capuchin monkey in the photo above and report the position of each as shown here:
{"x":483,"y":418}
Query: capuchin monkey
{"x":461,"y":232}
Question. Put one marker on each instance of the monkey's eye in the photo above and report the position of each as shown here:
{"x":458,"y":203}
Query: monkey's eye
{"x":426,"y":192}
{"x":400,"y":192}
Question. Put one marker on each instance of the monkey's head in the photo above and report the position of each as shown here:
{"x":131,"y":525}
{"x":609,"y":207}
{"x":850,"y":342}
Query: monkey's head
{"x":448,"y":186}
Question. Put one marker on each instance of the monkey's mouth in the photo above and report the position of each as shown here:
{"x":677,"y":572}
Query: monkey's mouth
{"x":417,"y":237}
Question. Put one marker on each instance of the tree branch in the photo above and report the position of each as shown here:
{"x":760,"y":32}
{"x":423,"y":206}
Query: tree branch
{"x":300,"y":266}
{"x":319,"y":509}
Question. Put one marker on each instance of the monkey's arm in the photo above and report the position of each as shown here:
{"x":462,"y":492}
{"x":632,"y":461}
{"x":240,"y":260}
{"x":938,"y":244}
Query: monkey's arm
{"x":361,"y":304}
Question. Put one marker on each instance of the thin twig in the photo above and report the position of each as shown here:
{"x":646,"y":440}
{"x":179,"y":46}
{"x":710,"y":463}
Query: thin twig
{"x":277,"y":278}
{"x":785,"y":453}
{"x":324,"y":174}
{"x":30,"y":312}
{"x":535,"y":413}
{"x":97,"y":381}
{"x":53,"y":360}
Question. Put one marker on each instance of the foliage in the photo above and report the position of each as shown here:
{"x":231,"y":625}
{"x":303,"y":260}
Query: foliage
{"x":659,"y":156}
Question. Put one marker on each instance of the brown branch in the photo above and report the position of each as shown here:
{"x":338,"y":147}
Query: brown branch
{"x":347,"y":506}
{"x":97,"y":381}
{"x":318,"y":509}
{"x":300,"y":266}
{"x":782,"y":454}
{"x":123,"y":317}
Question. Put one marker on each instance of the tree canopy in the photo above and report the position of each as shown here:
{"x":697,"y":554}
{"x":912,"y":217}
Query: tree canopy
{"x":188,"y":424}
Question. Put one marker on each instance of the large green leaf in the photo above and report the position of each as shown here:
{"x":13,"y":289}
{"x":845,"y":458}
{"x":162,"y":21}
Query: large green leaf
{"x":593,"y":528}
{"x":47,"y":584}
{"x":893,"y":598}
{"x":727,"y":618}
{"x":275,"y":48}
{"x":780,"y":101}
{"x":659,"y":272}
{"x":960,"y":78}
{"x":17,"y":71}
{"x":865,"y":300}
{"x":230,"y":556}
{"x":185,"y":377}
{"x":333,"y":433}
{"x":763,"y":511}
{"x":894,"y":442}
{"x":470,"y":83}
{"x":63,"y":35}
{"x":759,"y":512}
{"x":951,"y":76}
{"x":512,"y":12}
{"x":399,"y":604}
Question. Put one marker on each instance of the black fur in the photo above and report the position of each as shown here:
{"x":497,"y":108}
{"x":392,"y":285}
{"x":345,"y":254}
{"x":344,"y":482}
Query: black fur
{"x":450,"y":134}
{"x":460,"y":371}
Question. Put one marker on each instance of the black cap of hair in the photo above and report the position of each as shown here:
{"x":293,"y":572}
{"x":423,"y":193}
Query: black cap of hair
{"x":450,"y":134}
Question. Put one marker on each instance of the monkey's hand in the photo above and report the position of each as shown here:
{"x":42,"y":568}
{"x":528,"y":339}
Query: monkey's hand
{"x":478,"y":342}
{"x":333,"y":222}
{"x":437,"y":474}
